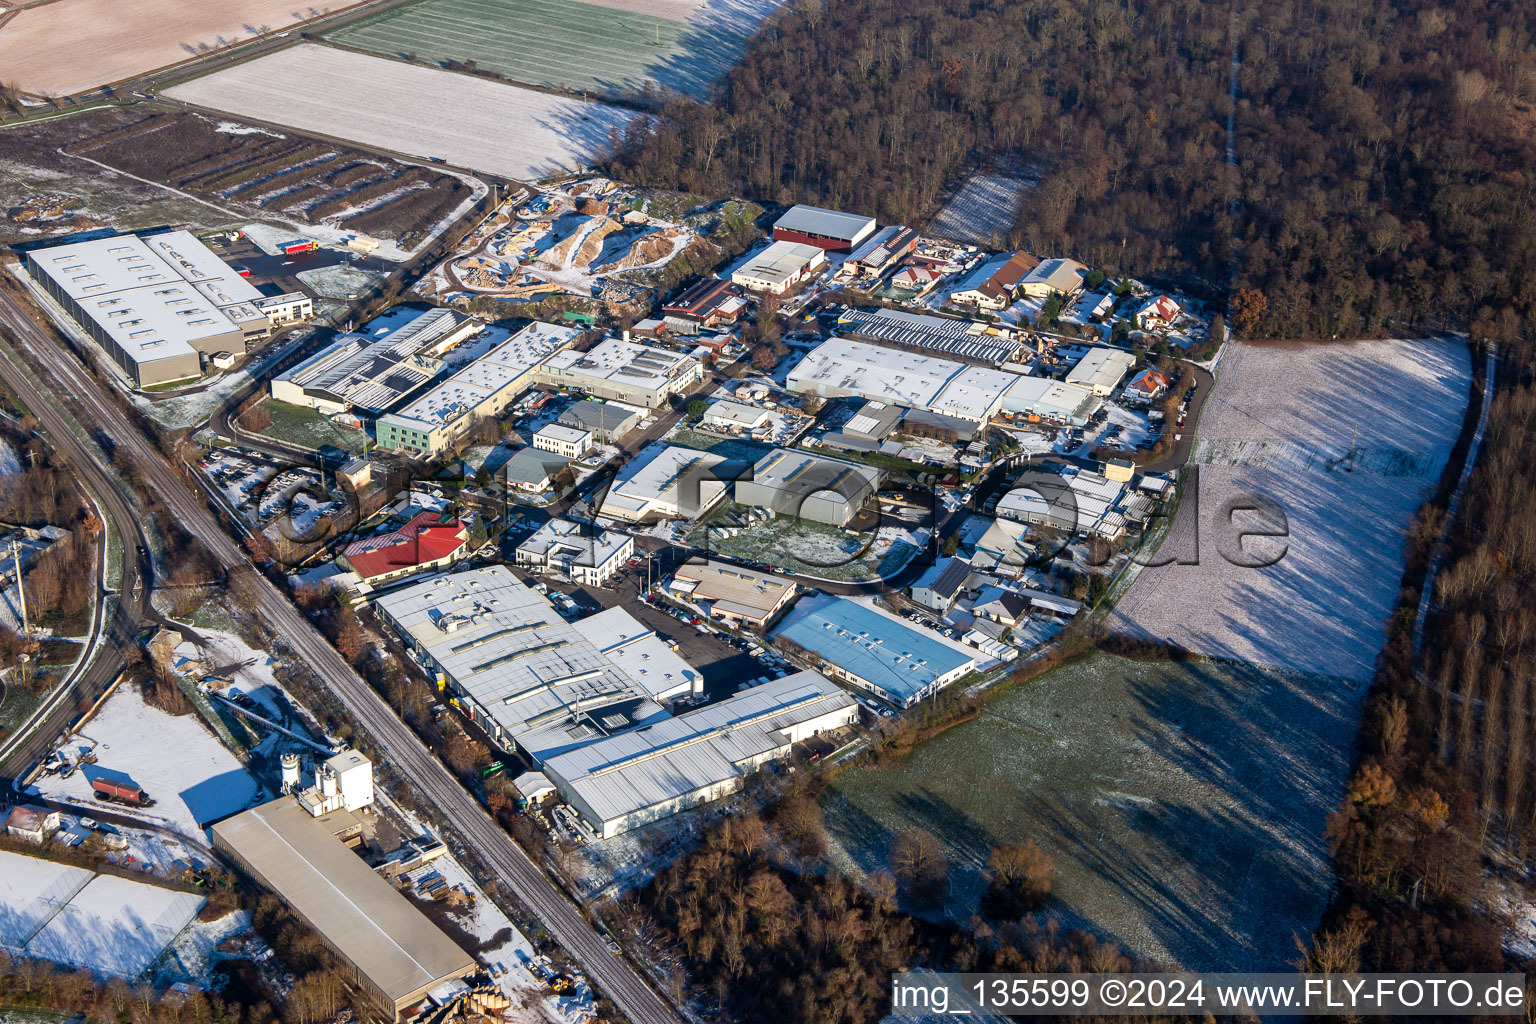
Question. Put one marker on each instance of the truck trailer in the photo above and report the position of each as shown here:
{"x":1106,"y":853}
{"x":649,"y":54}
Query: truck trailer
{"x":122,"y":792}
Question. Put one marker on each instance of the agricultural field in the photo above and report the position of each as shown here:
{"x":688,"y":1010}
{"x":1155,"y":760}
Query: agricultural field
{"x":1183,"y":804}
{"x":70,"y":46}
{"x":982,"y":212}
{"x":303,"y":180}
{"x":607,"y":50}
{"x":421,"y":112}
{"x":1346,"y":440}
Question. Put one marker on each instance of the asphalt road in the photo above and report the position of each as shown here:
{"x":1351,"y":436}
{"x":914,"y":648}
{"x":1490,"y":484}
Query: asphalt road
{"x":411,"y":760}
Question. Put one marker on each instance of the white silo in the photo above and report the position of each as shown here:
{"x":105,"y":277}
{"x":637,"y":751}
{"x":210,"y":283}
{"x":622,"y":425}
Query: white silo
{"x":290,"y":765}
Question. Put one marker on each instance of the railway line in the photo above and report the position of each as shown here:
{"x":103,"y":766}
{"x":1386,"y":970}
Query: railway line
{"x":512,"y":866}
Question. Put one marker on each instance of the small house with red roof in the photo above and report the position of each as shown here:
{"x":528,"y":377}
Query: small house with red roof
{"x":1159,"y":312}
{"x":1147,"y":386}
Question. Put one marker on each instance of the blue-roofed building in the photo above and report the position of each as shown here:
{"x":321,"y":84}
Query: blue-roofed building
{"x":859,"y":645}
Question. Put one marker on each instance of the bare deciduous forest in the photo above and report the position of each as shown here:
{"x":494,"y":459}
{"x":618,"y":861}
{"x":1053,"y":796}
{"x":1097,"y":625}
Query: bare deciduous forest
{"x":1383,"y":150}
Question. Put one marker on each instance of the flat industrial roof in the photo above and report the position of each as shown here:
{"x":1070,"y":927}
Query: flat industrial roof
{"x":582,"y":543}
{"x":500,"y":367}
{"x":571,"y":435}
{"x":814,"y":220}
{"x":156,"y":296}
{"x":626,"y":363}
{"x":899,"y":659}
{"x":736,"y":412}
{"x":780,"y":262}
{"x":886,"y":374}
{"x":1101,"y":367}
{"x":548,"y":683}
{"x":743,"y":590}
{"x":654,"y":478}
{"x":1044,"y":395}
{"x":807,"y":474}
{"x":973,"y":394}
{"x":399,"y":949}
{"x":636,"y":770}
{"x":965,"y":338}
{"x":368,"y":373}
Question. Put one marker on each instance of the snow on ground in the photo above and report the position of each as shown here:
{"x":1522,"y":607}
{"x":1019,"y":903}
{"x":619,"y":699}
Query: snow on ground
{"x":374,"y":101}
{"x":340,"y":281}
{"x":9,"y":463}
{"x":115,"y":926}
{"x":253,"y":672}
{"x":177,"y":760}
{"x":1346,"y":440}
{"x":196,"y":949}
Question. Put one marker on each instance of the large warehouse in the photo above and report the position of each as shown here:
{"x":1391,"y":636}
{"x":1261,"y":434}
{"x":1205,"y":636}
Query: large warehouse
{"x":393,"y":952}
{"x":627,"y":372}
{"x":806,"y":486}
{"x":433,"y":422}
{"x":825,"y":229}
{"x":528,"y":676}
{"x":964,"y":339}
{"x":729,"y":592}
{"x":666,"y":481}
{"x":878,"y":652}
{"x":1101,"y":369}
{"x":371,"y":373}
{"x":626,"y":781}
{"x":156,"y":304}
{"x":780,"y":267}
{"x":841,"y":368}
{"x":1053,"y":400}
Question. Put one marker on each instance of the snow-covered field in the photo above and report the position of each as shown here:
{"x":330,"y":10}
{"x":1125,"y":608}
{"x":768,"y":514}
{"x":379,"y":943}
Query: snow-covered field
{"x":115,"y":926}
{"x":1347,"y":440}
{"x":982,"y":212}
{"x":178,"y":761}
{"x":421,"y":112}
{"x":9,"y":463}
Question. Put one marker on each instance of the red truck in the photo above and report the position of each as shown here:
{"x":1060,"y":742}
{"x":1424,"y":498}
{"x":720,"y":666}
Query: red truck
{"x":297,"y":245}
{"x":122,"y":792}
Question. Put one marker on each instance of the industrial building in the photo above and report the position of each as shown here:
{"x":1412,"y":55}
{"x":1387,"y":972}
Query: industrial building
{"x":940,"y":586}
{"x":729,"y":592}
{"x":879,"y":252}
{"x":287,"y":308}
{"x":624,"y":371}
{"x":813,"y":487}
{"x":825,"y":229}
{"x":974,"y":394}
{"x":608,"y":421}
{"x":1101,"y":370}
{"x":1069,"y":500}
{"x":708,"y":302}
{"x":880,"y":653}
{"x":780,"y":267}
{"x":840,"y":368}
{"x":669,"y":481}
{"x":571,"y":442}
{"x":1040,"y":398}
{"x":625,"y":781}
{"x":969,"y":340}
{"x":1005,"y":550}
{"x":991,"y":286}
{"x":430,"y":540}
{"x":736,"y":417}
{"x":1053,"y":277}
{"x":579,"y":552}
{"x":435,"y":421}
{"x":372,"y":371}
{"x":157,"y":304}
{"x":530,"y":678}
{"x":393,"y":953}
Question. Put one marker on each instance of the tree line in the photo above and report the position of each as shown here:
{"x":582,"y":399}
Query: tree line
{"x":1381,"y":161}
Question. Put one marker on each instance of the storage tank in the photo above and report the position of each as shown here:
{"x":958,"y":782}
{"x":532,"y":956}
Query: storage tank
{"x":290,"y":765}
{"x":327,"y":782}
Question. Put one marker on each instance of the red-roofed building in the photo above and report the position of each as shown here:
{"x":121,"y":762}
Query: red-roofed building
{"x":429,"y":541}
{"x":1147,"y":386}
{"x":1161,"y":311}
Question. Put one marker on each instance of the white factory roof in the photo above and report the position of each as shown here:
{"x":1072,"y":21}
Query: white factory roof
{"x":368,"y":373}
{"x":734,"y":590}
{"x":1061,"y":275}
{"x":547,"y":683}
{"x":884,"y":374}
{"x":624,"y":363}
{"x":781,"y":468}
{"x":973,"y":394}
{"x":813,"y":220}
{"x":966,"y":338}
{"x":1077,"y":500}
{"x":624,"y":774}
{"x":570,"y":435}
{"x":653,"y":480}
{"x":1044,"y":395}
{"x":115,"y":926}
{"x":1101,"y":368}
{"x":778,"y":264}
{"x":156,"y":295}
{"x":500,"y":367}
{"x":727,"y":411}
